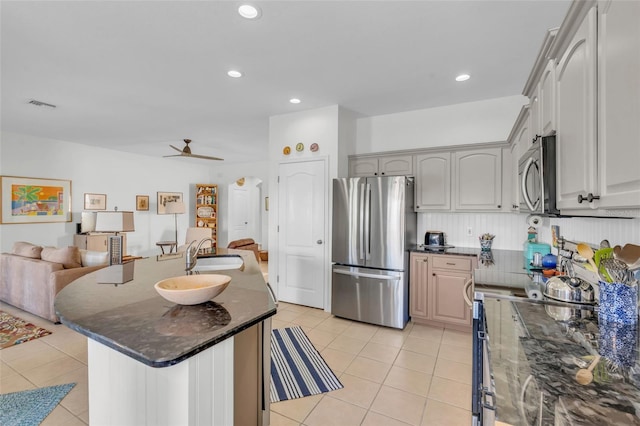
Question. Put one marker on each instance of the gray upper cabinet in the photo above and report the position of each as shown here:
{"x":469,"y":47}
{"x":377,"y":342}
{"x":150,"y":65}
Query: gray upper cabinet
{"x":393,"y":165}
{"x":433,"y":181}
{"x":478,"y":180}
{"x":519,"y":140}
{"x":618,"y":104}
{"x":597,"y":107}
{"x":576,"y":117}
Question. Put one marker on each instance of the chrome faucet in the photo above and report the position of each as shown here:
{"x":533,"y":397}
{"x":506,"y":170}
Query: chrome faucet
{"x":192,"y":253}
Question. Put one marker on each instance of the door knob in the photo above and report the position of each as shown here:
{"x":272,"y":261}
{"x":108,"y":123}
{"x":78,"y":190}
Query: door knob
{"x":319,"y":241}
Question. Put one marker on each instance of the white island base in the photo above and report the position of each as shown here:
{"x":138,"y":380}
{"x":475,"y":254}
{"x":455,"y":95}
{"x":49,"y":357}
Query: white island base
{"x":197,"y":391}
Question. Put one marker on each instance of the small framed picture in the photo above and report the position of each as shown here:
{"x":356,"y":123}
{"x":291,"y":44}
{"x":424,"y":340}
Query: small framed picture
{"x":95,"y":201}
{"x":142,"y":202}
{"x":167,"y":197}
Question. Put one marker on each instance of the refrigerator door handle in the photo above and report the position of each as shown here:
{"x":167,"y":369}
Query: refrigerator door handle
{"x":361,"y":252}
{"x":360,"y":274}
{"x":367,"y":224}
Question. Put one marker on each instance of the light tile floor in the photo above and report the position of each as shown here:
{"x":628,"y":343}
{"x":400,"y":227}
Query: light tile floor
{"x":418,"y":376}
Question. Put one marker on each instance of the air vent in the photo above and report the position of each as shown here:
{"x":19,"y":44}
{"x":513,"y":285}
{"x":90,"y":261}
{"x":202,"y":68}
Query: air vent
{"x":38,"y":103}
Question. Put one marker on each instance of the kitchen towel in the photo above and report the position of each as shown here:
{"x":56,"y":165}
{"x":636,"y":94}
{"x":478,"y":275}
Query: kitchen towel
{"x":297,"y":368}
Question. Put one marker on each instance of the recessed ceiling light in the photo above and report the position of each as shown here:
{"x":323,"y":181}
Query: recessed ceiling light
{"x":249,"y":11}
{"x":234,"y":73}
{"x":463,"y":77}
{"x":294,"y":100}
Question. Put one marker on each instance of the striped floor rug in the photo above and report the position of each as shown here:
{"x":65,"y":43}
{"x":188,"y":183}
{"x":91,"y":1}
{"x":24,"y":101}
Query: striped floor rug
{"x":297,"y":369}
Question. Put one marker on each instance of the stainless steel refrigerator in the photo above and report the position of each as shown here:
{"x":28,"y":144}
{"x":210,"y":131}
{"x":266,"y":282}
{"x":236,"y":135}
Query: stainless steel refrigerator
{"x":374,"y":225}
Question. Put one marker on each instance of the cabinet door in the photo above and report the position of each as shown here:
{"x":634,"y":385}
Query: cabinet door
{"x":576,"y":117}
{"x":363,"y":167}
{"x":478,"y":179}
{"x":520,"y":139}
{"x":447,"y":302}
{"x":546,"y":100}
{"x":619,"y":103}
{"x":98,"y":242}
{"x":433,"y":181}
{"x":418,"y":286}
{"x":401,"y":165}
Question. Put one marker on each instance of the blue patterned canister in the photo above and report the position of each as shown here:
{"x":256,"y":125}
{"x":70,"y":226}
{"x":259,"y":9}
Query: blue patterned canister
{"x":618,"y":303}
{"x":618,"y":342}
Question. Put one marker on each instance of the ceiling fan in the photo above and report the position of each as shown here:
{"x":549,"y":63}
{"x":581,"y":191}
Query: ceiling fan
{"x":186,"y":152}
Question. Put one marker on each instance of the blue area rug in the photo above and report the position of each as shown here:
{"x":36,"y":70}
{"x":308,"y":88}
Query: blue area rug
{"x":30,"y":407}
{"x":297,"y":369}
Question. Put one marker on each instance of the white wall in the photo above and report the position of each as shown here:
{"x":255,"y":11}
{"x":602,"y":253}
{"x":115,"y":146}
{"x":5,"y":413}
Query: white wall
{"x":510,"y":229}
{"x":473,"y":122}
{"x":96,"y":170}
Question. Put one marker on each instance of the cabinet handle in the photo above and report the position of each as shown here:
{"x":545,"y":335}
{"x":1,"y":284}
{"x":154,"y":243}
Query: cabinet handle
{"x":465,"y":293}
{"x":382,"y":173}
{"x":425,"y":260}
{"x":434,"y":274}
{"x":499,"y":206}
{"x":590,"y":197}
{"x":375,"y":174}
{"x":451,"y":263}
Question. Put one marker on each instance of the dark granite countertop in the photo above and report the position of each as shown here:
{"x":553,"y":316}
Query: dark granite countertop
{"x":534,"y":359}
{"x":132,"y":318}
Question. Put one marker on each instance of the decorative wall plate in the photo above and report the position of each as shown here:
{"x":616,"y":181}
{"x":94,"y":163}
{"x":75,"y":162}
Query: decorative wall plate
{"x":314,"y":147}
{"x":286,"y":150}
{"x":300,"y":147}
{"x":205,"y":211}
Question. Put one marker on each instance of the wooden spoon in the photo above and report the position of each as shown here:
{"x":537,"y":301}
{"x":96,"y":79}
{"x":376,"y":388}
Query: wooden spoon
{"x":584,"y":376}
{"x":587,"y":252}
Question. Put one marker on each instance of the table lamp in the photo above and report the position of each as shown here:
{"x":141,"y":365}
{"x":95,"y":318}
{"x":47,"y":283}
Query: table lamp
{"x":115,"y":221}
{"x":175,"y":208}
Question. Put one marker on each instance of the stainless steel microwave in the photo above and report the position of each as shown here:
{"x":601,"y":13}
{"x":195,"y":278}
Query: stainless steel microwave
{"x":537,"y":177}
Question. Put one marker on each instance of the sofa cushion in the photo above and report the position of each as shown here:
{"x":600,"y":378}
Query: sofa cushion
{"x":25,"y":249}
{"x":94,"y":258}
{"x":68,"y":256}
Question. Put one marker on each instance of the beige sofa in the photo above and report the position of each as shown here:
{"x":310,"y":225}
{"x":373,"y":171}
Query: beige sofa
{"x":31,"y":276}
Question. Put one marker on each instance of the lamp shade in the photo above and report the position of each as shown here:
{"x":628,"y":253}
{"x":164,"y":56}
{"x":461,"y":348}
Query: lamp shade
{"x":114,"y":222}
{"x":175,"y":207}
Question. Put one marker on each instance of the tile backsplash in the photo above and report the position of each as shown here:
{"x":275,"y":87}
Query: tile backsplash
{"x":510,"y":229}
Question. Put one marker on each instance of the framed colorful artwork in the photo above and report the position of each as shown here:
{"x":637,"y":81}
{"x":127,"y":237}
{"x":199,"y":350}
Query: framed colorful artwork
{"x":95,"y":201}
{"x":34,"y":200}
{"x":142,"y":202}
{"x":167,"y":197}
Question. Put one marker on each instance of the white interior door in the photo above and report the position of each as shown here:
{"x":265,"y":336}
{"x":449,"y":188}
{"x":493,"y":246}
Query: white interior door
{"x":238,"y":212}
{"x":302,"y":207}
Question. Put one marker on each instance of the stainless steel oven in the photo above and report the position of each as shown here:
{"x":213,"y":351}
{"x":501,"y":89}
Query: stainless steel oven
{"x":537,"y":177}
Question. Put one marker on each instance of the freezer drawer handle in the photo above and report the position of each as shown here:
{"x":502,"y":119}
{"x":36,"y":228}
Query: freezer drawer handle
{"x":487,"y":393}
{"x":358,"y":274}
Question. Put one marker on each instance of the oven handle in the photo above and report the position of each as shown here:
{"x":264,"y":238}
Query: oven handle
{"x":525,"y":194}
{"x":465,"y":292}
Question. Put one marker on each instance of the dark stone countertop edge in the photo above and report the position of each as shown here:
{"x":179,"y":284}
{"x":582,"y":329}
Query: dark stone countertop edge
{"x":167,"y":363}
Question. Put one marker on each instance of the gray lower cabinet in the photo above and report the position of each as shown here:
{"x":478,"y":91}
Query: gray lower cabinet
{"x":436,"y":285}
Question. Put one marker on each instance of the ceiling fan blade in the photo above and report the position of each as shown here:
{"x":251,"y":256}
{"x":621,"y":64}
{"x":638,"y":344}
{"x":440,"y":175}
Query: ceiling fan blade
{"x":177,"y":149}
{"x":176,"y":155}
{"x":204,"y":157}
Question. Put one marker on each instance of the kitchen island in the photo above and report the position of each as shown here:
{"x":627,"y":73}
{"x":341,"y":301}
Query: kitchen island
{"x":154,"y":362}
{"x":531,"y":360}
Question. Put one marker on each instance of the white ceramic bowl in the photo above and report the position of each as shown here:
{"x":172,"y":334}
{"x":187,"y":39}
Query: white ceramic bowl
{"x":192,"y":289}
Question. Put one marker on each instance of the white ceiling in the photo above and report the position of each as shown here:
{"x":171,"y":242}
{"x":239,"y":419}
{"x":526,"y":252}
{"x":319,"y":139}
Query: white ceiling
{"x":136,"y":76}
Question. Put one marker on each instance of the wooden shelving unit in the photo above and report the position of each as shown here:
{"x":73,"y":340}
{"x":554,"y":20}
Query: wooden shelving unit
{"x":207,"y":207}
